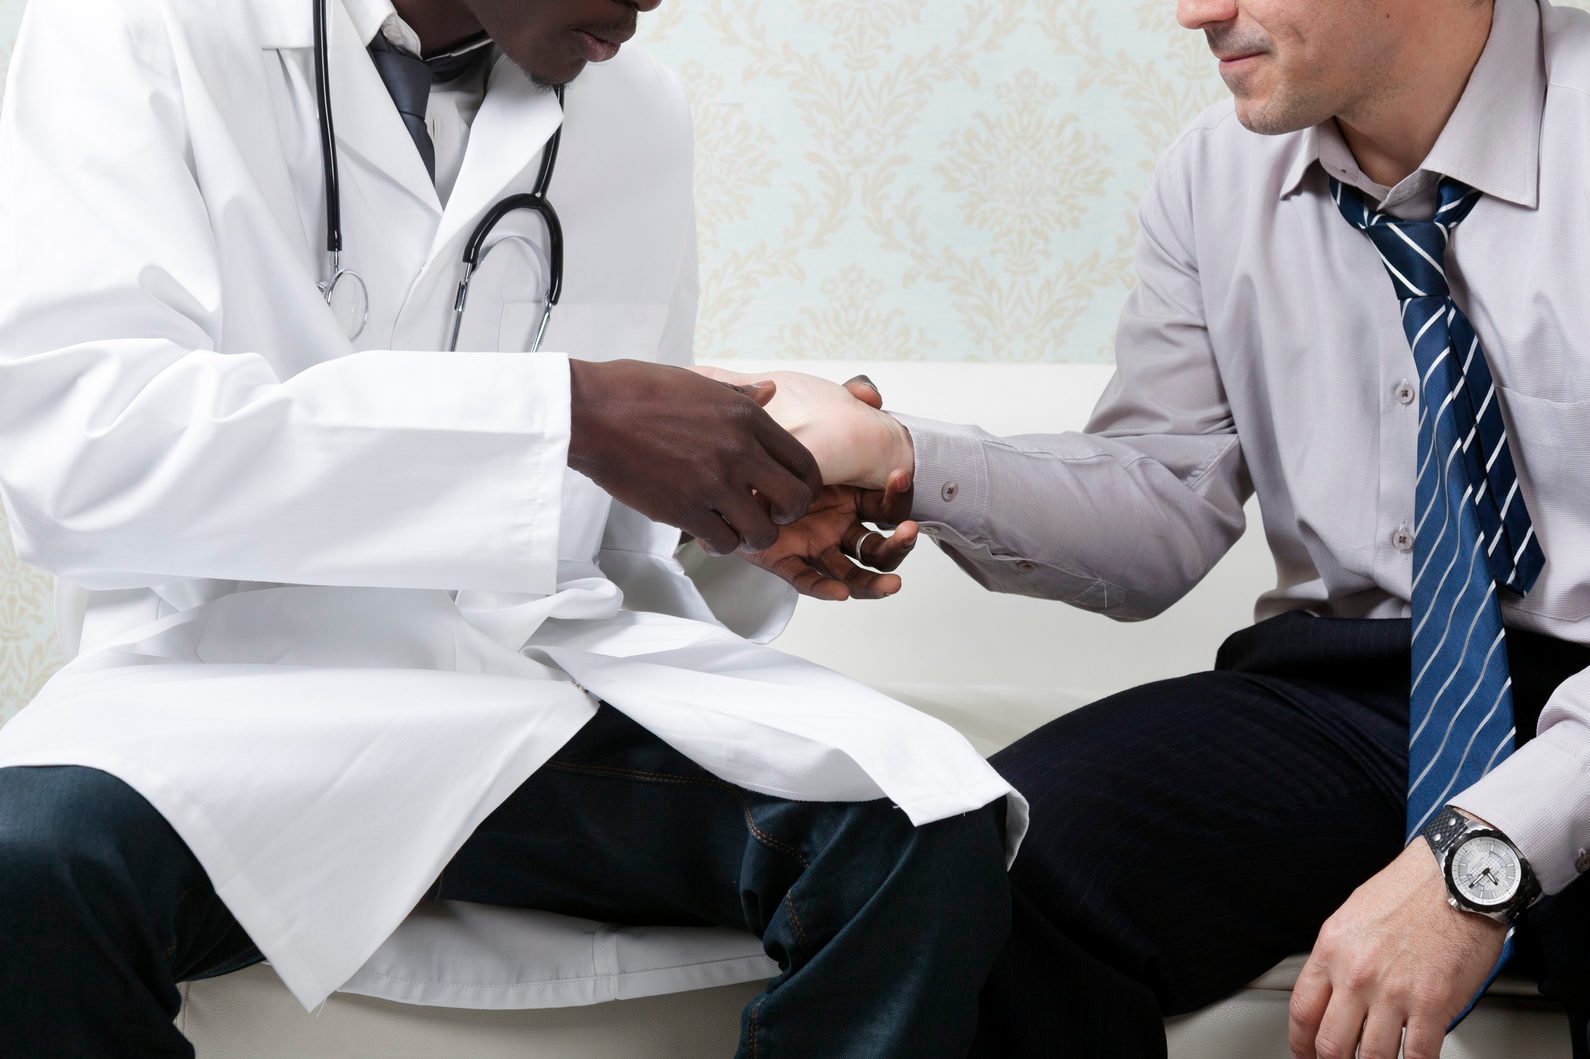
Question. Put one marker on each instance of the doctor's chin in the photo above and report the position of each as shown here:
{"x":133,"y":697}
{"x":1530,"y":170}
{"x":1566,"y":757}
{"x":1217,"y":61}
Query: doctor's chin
{"x":663,"y":529}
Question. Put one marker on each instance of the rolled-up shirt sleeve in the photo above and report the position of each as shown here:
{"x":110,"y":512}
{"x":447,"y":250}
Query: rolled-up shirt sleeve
{"x":1540,"y":796}
{"x":1127,"y":515}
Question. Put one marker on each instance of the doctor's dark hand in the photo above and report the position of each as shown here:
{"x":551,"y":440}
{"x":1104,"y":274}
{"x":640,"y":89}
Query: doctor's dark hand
{"x":689,"y":451}
{"x":826,"y":555}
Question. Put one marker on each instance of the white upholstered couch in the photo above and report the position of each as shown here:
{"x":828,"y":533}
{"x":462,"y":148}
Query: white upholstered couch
{"x":994,"y":666}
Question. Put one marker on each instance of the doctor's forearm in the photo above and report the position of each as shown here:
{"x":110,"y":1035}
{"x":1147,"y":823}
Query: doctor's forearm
{"x":382,"y":468}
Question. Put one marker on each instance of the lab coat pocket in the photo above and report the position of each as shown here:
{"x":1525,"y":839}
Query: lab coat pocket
{"x":1548,"y":441}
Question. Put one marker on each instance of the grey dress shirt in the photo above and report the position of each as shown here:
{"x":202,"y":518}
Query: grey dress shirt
{"x":1261,"y":350}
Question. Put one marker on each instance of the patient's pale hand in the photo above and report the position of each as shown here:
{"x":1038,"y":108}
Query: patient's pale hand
{"x":854,"y":442}
{"x":826,"y":554}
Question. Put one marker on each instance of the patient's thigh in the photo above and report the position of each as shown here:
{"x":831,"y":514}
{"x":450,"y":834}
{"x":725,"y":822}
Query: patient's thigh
{"x":1194,"y":831}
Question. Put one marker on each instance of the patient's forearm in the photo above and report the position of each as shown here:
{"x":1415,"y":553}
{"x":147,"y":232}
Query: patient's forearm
{"x":1125,"y":526}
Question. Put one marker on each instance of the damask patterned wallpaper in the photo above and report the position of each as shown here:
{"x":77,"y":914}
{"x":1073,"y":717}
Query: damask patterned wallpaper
{"x":952,"y":181}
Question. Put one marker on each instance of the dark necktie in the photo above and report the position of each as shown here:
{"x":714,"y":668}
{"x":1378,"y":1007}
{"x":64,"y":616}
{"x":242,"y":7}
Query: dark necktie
{"x":1472,"y":532}
{"x":408,"y":81}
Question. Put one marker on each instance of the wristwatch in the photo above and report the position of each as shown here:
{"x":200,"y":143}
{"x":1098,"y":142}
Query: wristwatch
{"x":1484,"y":872}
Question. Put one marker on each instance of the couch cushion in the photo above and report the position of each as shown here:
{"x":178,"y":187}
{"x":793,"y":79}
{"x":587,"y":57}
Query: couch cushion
{"x":991,"y":716}
{"x":1283,"y":976}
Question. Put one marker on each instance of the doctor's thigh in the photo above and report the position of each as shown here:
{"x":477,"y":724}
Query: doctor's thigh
{"x":103,"y":910}
{"x":885,"y":932}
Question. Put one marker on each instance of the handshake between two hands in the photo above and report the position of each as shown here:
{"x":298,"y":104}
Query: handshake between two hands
{"x":787,"y":469}
{"x":865,"y":461}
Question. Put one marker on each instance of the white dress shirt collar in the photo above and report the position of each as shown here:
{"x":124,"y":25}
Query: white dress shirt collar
{"x":380,"y":16}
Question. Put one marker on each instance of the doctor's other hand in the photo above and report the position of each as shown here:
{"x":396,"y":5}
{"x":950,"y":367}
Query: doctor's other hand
{"x":694,"y":453}
{"x":827,"y":554}
{"x":854,"y":441}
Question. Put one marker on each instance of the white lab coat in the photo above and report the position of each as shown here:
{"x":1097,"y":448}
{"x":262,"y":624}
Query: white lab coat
{"x":327,"y":604}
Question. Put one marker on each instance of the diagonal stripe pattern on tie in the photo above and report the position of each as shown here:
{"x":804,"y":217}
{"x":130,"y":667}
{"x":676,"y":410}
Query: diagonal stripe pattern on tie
{"x":1472,"y":532}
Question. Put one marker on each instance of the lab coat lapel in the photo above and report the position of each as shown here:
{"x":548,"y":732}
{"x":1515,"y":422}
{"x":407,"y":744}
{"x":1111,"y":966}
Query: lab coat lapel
{"x":516,"y":120}
{"x":367,"y":122}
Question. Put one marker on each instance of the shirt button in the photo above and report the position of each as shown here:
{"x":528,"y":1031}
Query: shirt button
{"x":1404,"y":392}
{"x":1026,"y":566}
{"x":950,"y":491}
{"x":1402,"y":538}
{"x":1581,"y":863}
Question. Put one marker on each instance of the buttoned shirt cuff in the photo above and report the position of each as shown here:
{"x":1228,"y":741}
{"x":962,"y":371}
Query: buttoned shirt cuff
{"x":1540,"y":799}
{"x":950,"y":483}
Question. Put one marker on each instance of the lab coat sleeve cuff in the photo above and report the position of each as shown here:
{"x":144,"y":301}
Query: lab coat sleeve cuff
{"x":950,"y":483}
{"x":746,"y":599}
{"x":1540,"y":799}
{"x":542,"y":493}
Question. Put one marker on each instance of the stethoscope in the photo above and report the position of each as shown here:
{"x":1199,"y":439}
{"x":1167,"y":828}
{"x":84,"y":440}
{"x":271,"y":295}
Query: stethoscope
{"x":345,"y":291}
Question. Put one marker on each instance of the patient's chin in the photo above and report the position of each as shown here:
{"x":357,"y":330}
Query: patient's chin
{"x":1276,"y":115}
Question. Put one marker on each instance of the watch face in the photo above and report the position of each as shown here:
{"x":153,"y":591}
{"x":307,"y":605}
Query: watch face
{"x":1486,"y":871}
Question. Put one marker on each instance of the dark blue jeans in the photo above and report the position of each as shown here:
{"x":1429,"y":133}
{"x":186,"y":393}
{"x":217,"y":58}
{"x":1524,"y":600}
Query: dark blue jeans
{"x":1188,"y":834}
{"x":884,"y":932}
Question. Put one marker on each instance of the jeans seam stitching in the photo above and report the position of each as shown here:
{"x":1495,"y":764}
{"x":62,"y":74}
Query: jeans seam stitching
{"x":756,"y":1009}
{"x":800,"y":931}
{"x":662,"y":777}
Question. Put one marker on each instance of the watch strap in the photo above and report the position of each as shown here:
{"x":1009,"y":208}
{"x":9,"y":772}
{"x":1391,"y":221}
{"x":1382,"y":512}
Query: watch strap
{"x":1445,"y":831}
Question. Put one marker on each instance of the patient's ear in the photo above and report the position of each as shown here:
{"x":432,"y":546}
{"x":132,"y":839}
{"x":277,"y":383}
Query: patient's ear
{"x":863,"y":390}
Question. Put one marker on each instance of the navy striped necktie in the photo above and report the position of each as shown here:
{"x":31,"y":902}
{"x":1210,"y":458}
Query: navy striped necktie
{"x":1472,"y":532}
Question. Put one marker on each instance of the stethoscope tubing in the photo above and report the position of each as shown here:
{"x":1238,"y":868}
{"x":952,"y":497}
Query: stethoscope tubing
{"x":328,"y":134}
{"x":535,"y":201}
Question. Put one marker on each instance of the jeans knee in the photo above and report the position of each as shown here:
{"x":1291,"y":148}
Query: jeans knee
{"x":968,"y":850}
{"x":64,"y":833}
{"x":977,"y":835}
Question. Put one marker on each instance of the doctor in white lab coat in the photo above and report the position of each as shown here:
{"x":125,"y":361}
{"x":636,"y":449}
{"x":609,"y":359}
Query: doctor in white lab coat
{"x":330,"y":605}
